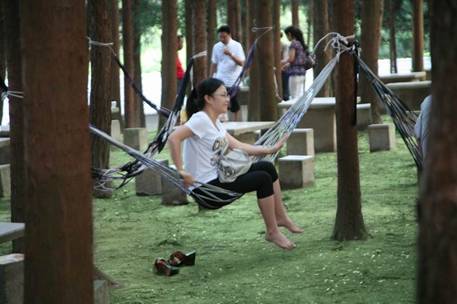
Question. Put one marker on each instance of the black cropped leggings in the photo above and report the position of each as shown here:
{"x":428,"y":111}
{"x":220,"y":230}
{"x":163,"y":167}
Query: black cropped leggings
{"x":259,"y":178}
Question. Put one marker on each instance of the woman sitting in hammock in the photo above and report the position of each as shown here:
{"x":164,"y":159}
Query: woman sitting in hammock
{"x":201,"y":135}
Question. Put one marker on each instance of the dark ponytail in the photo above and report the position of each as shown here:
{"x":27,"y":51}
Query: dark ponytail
{"x":296,"y":33}
{"x":196,"y":100}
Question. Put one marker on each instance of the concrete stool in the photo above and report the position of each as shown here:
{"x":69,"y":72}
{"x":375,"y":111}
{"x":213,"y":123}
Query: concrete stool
{"x":149,"y":182}
{"x":301,"y":142}
{"x":12,"y":279}
{"x":101,"y":292}
{"x":5,"y":181}
{"x":116,"y":130}
{"x":412,"y":93}
{"x":172,"y":195}
{"x":296,"y":171}
{"x":363,"y":115}
{"x":321,"y":118}
{"x":137,"y":138}
{"x":4,"y":150}
{"x":248,"y":137}
{"x":381,"y":137}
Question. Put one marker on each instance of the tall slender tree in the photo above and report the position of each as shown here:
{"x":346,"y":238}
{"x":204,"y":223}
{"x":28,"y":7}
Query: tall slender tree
{"x":277,"y":47}
{"x":58,"y":230}
{"x":115,"y":92}
{"x":372,"y":12}
{"x":349,"y":223}
{"x":131,"y":108}
{"x":169,"y":42}
{"x":199,"y":38}
{"x":189,"y":28}
{"x":2,"y":50}
{"x":437,"y":272}
{"x":254,"y":81}
{"x":16,"y":108}
{"x":295,"y":7}
{"x":418,"y":33}
{"x":392,"y":7}
{"x":269,"y":108}
{"x":309,"y":21}
{"x":137,"y":32}
{"x":234,"y":19}
{"x":321,"y":28}
{"x":212,"y":25}
{"x":100,"y":103}
{"x":245,"y":20}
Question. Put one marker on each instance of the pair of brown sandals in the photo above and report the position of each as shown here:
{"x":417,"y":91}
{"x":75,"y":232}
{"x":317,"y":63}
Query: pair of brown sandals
{"x":171,"y":266}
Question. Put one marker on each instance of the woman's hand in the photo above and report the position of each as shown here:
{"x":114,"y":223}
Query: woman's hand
{"x":188,"y":179}
{"x":278,"y":145}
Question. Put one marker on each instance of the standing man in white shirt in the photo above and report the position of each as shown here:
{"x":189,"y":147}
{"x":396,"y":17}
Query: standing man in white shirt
{"x":226,"y":63}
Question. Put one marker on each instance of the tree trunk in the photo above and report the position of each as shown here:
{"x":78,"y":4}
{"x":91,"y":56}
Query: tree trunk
{"x":295,"y":9}
{"x":212,"y":27}
{"x":234,"y":19}
{"x":392,"y":5}
{"x":277,"y":48}
{"x":269,"y":106}
{"x":418,"y":35}
{"x":254,"y":82}
{"x":371,"y":41}
{"x":16,"y":108}
{"x":245,"y":23}
{"x":437,"y":272}
{"x":137,"y":61}
{"x":2,"y":51}
{"x":131,"y":108}
{"x":115,"y":92}
{"x":199,"y":17}
{"x":169,"y":53}
{"x":309,"y":22}
{"x":321,"y":28}
{"x":349,"y":223}
{"x":100,"y":103}
{"x":58,"y":231}
{"x":189,"y":28}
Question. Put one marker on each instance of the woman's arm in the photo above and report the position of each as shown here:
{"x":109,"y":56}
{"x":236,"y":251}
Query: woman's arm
{"x":174,"y":142}
{"x":286,"y":62}
{"x":254,"y":149}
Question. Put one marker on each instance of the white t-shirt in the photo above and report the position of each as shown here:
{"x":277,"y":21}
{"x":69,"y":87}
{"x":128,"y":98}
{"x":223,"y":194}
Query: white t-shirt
{"x":198,"y":149}
{"x":227,"y":69}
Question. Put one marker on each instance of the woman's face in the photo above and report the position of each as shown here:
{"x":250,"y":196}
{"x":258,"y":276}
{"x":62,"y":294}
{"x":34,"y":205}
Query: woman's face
{"x":219,"y":100}
{"x":289,"y":36}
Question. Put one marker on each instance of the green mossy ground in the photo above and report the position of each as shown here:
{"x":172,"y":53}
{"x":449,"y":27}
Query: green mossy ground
{"x":235,"y":265}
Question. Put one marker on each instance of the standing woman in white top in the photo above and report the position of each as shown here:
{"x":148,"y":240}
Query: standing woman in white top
{"x":201,"y":132}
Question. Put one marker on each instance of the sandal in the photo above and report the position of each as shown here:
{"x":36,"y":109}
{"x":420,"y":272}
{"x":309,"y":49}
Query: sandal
{"x":162,"y":267}
{"x":178,"y":258}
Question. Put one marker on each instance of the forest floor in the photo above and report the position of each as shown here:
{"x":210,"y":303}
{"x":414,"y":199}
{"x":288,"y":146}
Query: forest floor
{"x":236,"y":265}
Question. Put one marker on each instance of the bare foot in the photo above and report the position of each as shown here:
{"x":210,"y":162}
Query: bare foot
{"x":280,"y":240}
{"x":290,"y":226}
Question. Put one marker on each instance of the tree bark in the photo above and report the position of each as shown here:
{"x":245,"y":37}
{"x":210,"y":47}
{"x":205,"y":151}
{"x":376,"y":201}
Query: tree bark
{"x":131,"y":108}
{"x":321,"y":28}
{"x":2,"y":50}
{"x":269,"y":106}
{"x":245,"y":23}
{"x":58,"y":231}
{"x":100,"y":103}
{"x":277,"y":48}
{"x":372,"y":12}
{"x":16,"y":108}
{"x":437,"y":246}
{"x":349,"y":223}
{"x":169,"y":44}
{"x":189,"y":28}
{"x":212,"y":27}
{"x":234,"y":19}
{"x":254,"y":98}
{"x":309,"y":23}
{"x":137,"y":61}
{"x":115,"y":92}
{"x":392,"y":7}
{"x":418,"y":35}
{"x":295,"y":9}
{"x":199,"y":34}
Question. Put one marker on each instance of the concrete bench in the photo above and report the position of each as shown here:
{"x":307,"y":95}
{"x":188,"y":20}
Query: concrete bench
{"x":5,"y":150}
{"x":11,"y":231}
{"x":171,"y":194}
{"x":413,"y":76}
{"x":149,"y":182}
{"x":363,"y":115}
{"x":301,"y":142}
{"x":296,"y":171}
{"x":5,"y":131}
{"x":5,"y":180}
{"x":136,"y":138}
{"x":381,"y":137}
{"x":116,"y":130}
{"x":411,"y":93}
{"x":246,"y":131}
{"x":12,"y":279}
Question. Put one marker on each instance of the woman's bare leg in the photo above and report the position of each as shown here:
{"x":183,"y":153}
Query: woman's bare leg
{"x":267,"y":209}
{"x":282,"y":217}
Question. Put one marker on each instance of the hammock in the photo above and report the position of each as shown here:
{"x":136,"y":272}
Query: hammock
{"x":403,"y":118}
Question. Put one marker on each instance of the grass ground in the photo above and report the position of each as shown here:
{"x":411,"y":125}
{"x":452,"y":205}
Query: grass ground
{"x":235,"y":265}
